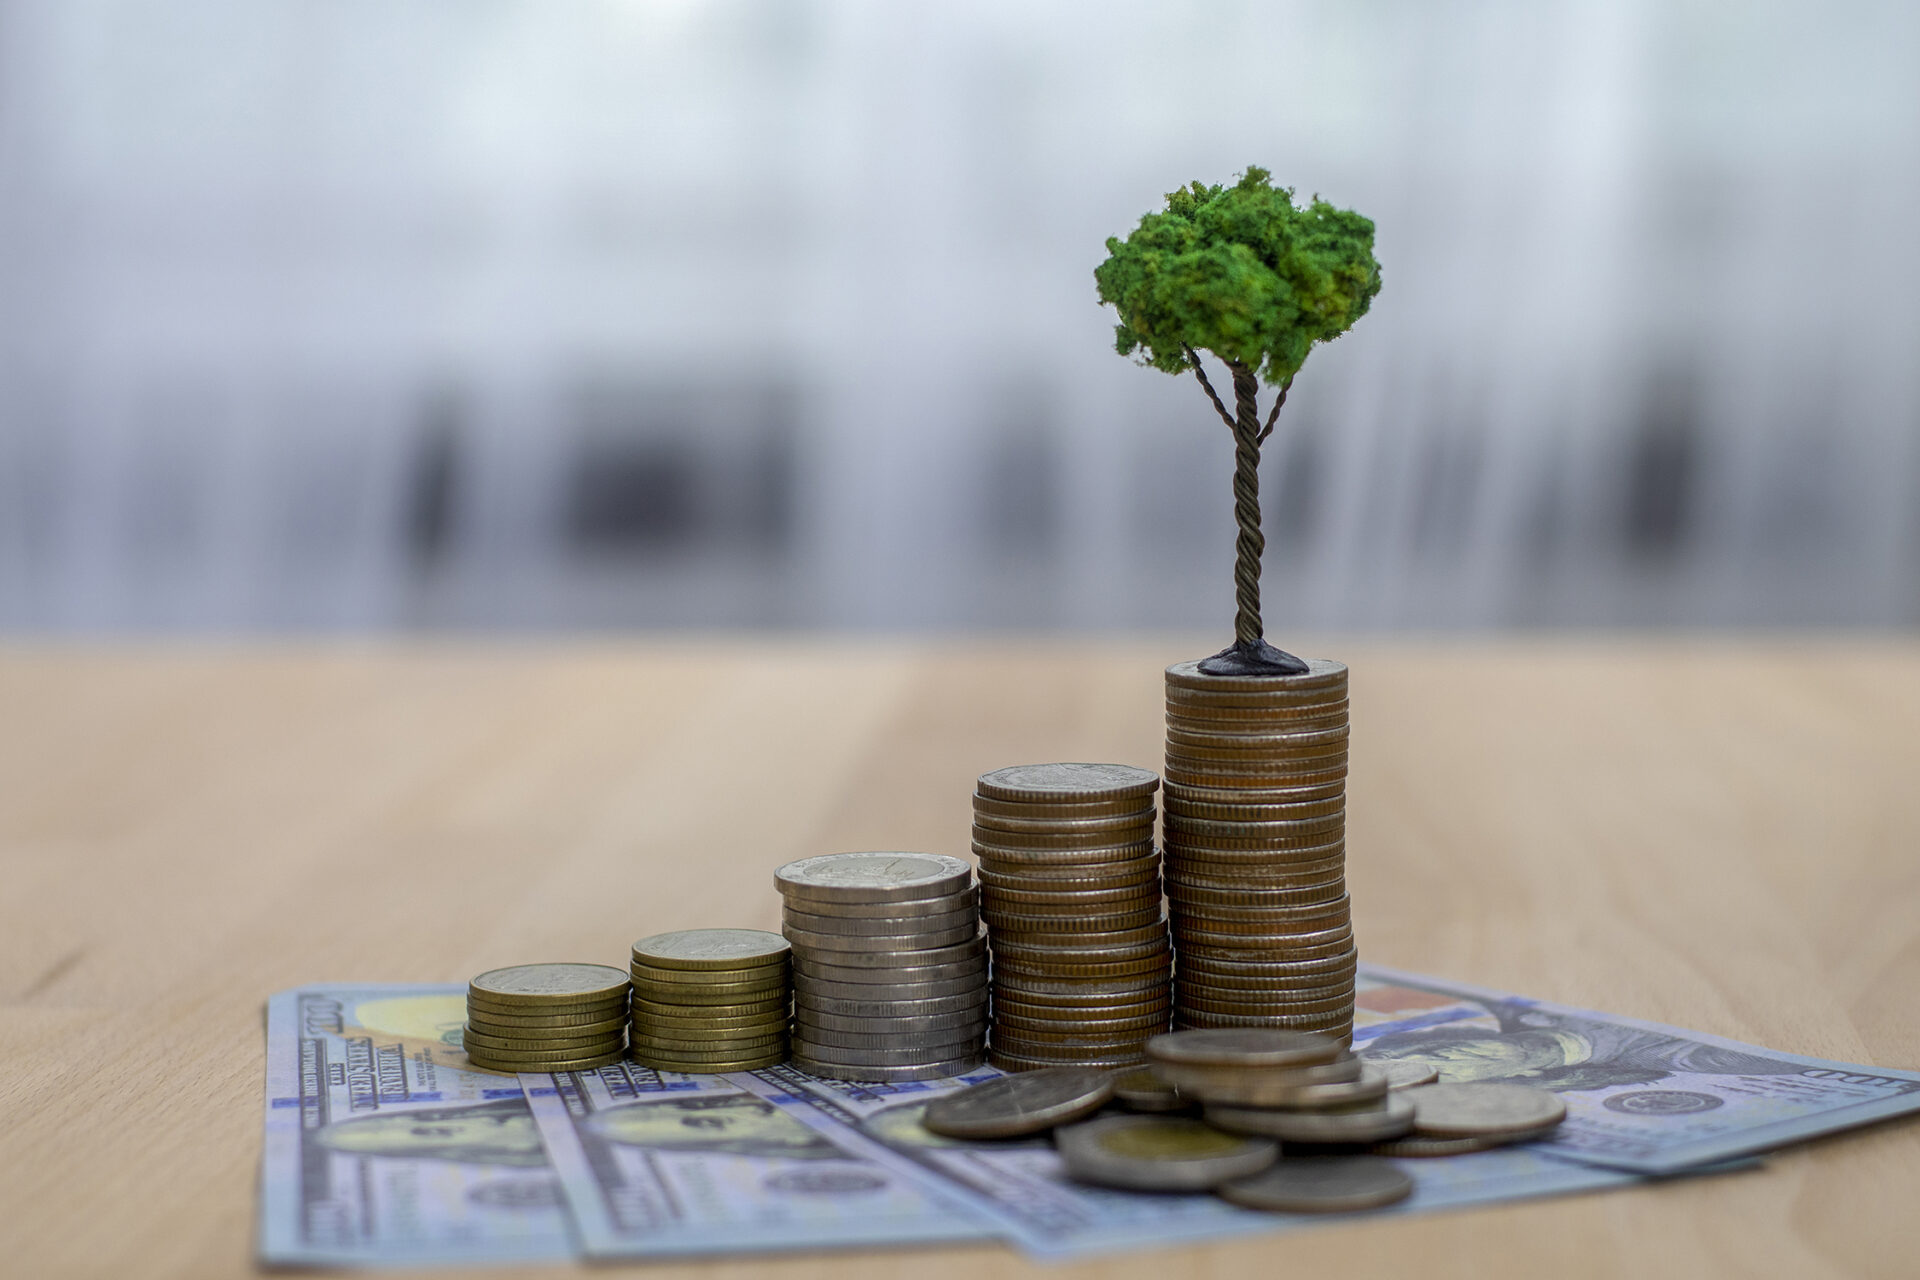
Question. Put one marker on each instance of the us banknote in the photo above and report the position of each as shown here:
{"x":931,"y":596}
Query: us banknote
{"x":383,"y":1146}
{"x":1022,"y":1188}
{"x":657,"y":1164}
{"x":1640,"y":1096}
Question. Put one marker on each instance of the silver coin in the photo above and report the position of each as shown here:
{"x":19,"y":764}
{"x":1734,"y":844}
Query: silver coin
{"x":1013,"y":1062}
{"x":1483,"y":1108}
{"x":1079,"y":782}
{"x":873,"y":876}
{"x":835,"y":1055}
{"x":963,"y":920}
{"x":1140,"y":1089}
{"x":810,"y":989}
{"x":1414,"y":1146}
{"x":1159,"y":1153}
{"x":972,"y":948}
{"x":1404,"y":1073}
{"x":909,"y":1024}
{"x":893,"y":943}
{"x":908,"y":909}
{"x":1013,"y":1106}
{"x":1376,"y":1121}
{"x":925,"y":1047}
{"x":889,"y":1008}
{"x":1244,"y":1049}
{"x":888,"y":1075}
{"x":902,"y":976}
{"x":1320,"y":1184}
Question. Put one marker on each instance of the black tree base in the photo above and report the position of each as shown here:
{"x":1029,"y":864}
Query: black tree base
{"x":1254,"y":658}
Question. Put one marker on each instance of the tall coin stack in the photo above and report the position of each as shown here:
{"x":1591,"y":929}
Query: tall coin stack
{"x":1255,"y":845}
{"x":1070,"y":890}
{"x":709,"y":1000}
{"x":889,"y":967}
{"x":547,"y":1017}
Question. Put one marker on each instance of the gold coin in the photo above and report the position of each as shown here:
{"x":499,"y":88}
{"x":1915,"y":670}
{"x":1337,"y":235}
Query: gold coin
{"x":1300,"y":811}
{"x":745,"y":992}
{"x":1070,"y":923}
{"x":667,"y":1062}
{"x":711,"y":949}
{"x":497,"y":1026}
{"x":1321,"y":673}
{"x":471,"y":1037}
{"x":516,"y":1062}
{"x":597,"y":1009}
{"x":684,"y":1028}
{"x":771,"y":974}
{"x":743,"y":1047}
{"x":1042,"y":878}
{"x":1192,"y":1002}
{"x":1126,"y":897}
{"x":540,"y":987}
{"x":731,"y":1009}
{"x":1183,"y":797}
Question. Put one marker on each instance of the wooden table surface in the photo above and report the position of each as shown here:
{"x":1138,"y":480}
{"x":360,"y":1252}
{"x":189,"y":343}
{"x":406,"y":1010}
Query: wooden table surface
{"x":1722,"y":836}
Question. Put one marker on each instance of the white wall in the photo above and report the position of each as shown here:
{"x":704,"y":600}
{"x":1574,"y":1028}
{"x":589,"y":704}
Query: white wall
{"x":369,"y":314}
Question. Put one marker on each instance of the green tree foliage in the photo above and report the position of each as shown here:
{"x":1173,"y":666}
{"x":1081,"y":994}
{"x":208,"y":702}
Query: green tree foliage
{"x":1241,"y":272}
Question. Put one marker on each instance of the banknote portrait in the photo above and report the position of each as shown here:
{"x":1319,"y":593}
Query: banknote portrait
{"x":499,"y":1132}
{"x":727,"y":1123}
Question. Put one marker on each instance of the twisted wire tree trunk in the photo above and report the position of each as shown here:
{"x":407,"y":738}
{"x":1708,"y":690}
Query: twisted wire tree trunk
{"x":1251,"y":544}
{"x":1249,"y":654}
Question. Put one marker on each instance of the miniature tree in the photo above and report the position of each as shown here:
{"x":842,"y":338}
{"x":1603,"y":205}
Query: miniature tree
{"x":1243,"y":273}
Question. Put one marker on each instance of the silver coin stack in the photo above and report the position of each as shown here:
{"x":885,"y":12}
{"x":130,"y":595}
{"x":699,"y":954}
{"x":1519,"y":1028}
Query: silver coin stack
{"x":889,"y":965}
{"x":1255,"y":847}
{"x":1070,"y":891}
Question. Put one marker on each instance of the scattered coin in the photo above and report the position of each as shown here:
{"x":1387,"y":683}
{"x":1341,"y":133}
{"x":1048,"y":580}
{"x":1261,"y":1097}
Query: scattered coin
{"x":1248,"y":1048}
{"x":1142,"y":1090}
{"x":1021,"y":1104}
{"x":1375,"y":1120}
{"x":1159,"y":1153}
{"x":1484,"y":1108}
{"x":1320,"y":1184}
{"x":1414,"y":1146}
{"x":1404,"y":1073}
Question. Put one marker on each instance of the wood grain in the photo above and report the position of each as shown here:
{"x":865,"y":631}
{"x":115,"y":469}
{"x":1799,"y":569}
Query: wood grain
{"x":1724,"y":837}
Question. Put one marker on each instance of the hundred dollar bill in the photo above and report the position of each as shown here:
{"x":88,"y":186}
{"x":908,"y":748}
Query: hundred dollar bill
{"x":384,"y":1147}
{"x":1640,"y":1096}
{"x":1023,"y":1188}
{"x":658,"y":1164}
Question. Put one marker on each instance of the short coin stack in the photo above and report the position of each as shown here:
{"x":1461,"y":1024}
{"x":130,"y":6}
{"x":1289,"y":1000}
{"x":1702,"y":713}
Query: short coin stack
{"x":547,"y":1017}
{"x":1255,"y":845}
{"x":709,"y":1000}
{"x":1070,"y":891}
{"x":889,"y":966}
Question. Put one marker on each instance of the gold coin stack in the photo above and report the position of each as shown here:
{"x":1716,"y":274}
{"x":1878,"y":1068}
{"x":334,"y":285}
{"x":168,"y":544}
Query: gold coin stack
{"x":1255,"y":845}
{"x":547,"y":1017}
{"x":1070,"y":891}
{"x":711,"y":1000}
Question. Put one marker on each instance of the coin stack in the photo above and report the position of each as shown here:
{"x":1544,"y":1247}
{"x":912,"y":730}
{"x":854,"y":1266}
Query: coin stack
{"x":889,"y":965}
{"x":1255,"y":845}
{"x":710,"y":1000}
{"x":547,"y":1017}
{"x":1070,"y":891}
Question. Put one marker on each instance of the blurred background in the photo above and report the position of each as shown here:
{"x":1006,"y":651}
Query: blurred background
{"x":341,"y":315}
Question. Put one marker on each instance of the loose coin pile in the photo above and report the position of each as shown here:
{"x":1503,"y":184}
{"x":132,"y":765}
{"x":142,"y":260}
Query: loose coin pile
{"x":1456,"y":1119}
{"x":889,"y":965}
{"x":1070,"y":891}
{"x":1014,"y":1106}
{"x":1295,"y":1086}
{"x":709,"y":1000}
{"x":1159,"y":1153}
{"x":1255,"y":847}
{"x":547,"y":1017}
